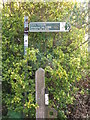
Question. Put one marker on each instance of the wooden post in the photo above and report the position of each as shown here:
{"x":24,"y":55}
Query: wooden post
{"x":43,"y":111}
{"x":40,"y":92}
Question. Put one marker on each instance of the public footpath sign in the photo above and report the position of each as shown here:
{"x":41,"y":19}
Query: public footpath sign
{"x":43,"y":27}
{"x":49,"y":27}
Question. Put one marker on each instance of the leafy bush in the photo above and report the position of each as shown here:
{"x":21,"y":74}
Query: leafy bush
{"x":62,"y":55}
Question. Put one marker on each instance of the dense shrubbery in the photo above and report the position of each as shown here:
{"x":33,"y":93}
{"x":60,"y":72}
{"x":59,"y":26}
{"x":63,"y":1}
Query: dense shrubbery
{"x":62,"y":55}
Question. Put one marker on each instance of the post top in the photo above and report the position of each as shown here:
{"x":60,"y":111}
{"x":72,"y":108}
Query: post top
{"x":40,"y":69}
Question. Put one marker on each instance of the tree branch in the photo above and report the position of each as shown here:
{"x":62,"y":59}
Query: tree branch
{"x":81,"y":45}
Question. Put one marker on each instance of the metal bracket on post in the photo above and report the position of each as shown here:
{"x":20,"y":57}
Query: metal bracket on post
{"x":46,"y":96}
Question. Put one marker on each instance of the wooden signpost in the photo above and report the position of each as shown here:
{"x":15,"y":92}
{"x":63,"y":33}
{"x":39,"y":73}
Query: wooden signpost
{"x":43,"y":27}
{"x":43,"y":111}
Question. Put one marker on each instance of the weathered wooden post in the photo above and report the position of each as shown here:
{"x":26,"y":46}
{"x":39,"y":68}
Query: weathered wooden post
{"x":40,"y":91}
{"x":43,"y":111}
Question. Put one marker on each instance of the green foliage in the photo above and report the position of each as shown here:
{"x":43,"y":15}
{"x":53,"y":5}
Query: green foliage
{"x":12,"y":114}
{"x":62,"y":55}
